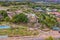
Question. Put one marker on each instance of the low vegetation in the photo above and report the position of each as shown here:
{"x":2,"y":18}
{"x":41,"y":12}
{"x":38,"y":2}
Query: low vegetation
{"x":20,"y":18}
{"x":49,"y":38}
{"x":47,"y":20}
{"x":21,"y":31}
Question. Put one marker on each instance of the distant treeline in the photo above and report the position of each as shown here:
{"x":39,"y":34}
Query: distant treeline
{"x":56,"y":1}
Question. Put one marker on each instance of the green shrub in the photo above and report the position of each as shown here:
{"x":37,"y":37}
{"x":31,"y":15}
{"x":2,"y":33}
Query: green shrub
{"x":47,"y":20}
{"x":3,"y":13}
{"x":7,"y":19}
{"x":20,"y":18}
{"x":49,"y":38}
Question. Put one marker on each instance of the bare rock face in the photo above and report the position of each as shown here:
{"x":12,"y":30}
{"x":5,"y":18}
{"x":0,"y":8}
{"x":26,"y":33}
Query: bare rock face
{"x":33,"y":21}
{"x":32,"y":18}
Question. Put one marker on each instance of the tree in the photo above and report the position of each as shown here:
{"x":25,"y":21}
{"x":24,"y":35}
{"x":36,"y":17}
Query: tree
{"x":7,"y":19}
{"x":47,"y":20}
{"x":4,"y":14}
{"x":20,"y":18}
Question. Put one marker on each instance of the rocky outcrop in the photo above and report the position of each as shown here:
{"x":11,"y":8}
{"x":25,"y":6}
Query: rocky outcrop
{"x":33,"y":21}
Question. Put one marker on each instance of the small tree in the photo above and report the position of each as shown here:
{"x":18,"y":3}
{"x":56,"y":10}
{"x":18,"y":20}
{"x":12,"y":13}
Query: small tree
{"x":4,"y":14}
